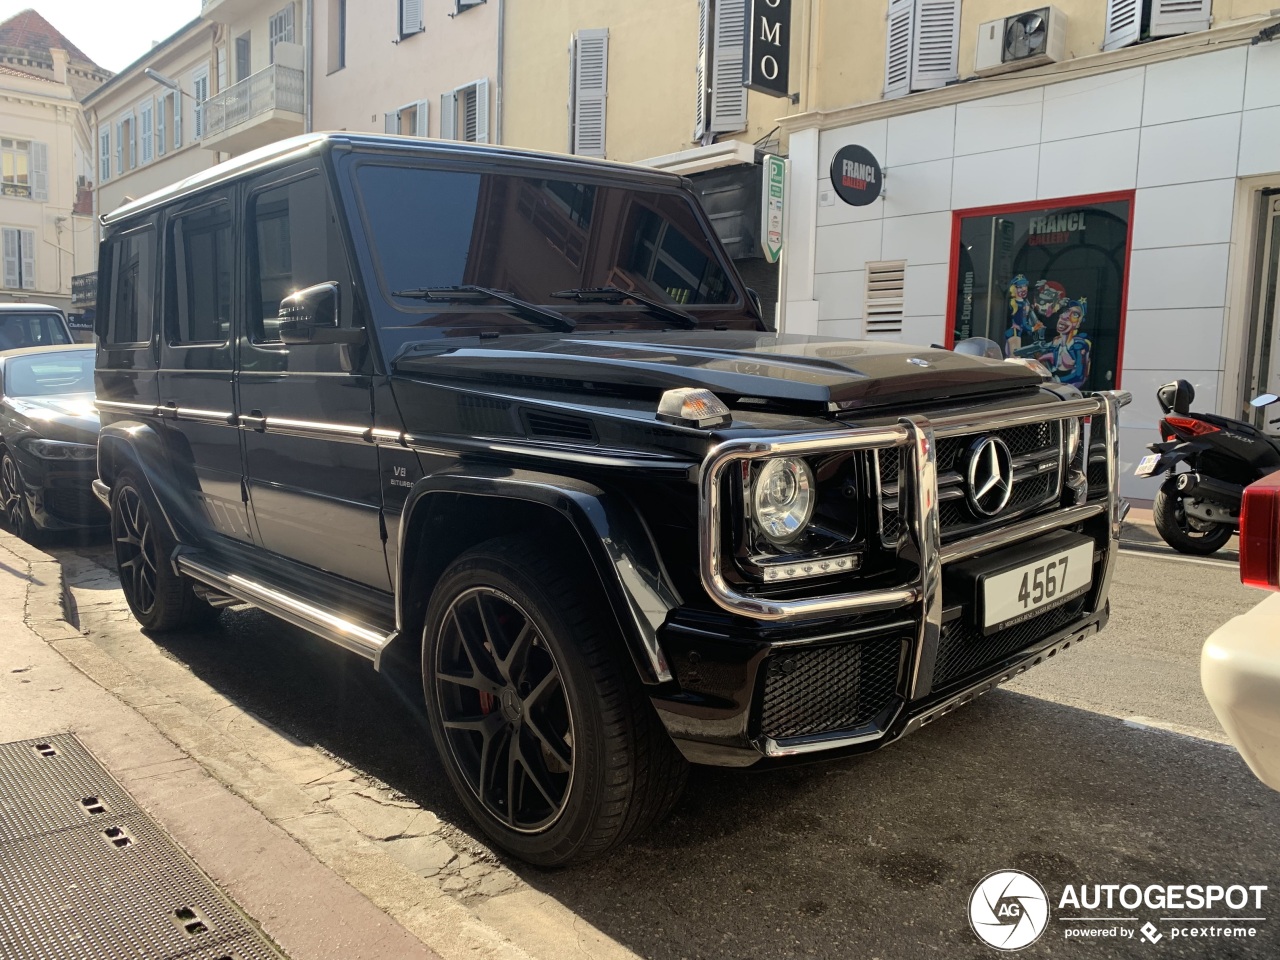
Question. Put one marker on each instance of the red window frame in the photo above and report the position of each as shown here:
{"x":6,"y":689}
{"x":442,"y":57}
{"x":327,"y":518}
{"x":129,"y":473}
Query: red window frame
{"x":953,"y":266}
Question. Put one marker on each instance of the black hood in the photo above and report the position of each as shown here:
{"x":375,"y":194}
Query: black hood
{"x":71,"y":417}
{"x":822,"y":372}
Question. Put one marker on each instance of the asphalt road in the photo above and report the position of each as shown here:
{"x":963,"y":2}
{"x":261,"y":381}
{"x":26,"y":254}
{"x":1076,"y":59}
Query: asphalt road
{"x":875,"y":856}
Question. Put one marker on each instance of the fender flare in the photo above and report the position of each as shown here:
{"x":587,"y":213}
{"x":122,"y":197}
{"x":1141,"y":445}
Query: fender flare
{"x":138,"y":444}
{"x":617,"y":540}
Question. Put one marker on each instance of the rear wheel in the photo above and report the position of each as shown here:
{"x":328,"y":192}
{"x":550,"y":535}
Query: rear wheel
{"x":17,"y":513}
{"x":161,"y":599}
{"x":1186,"y":534}
{"x":535,"y":710}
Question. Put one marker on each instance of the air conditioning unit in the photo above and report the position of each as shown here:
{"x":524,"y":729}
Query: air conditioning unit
{"x":1023,"y":40}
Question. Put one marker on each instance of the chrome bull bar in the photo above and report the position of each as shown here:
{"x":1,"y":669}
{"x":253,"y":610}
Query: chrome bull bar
{"x":919,"y":436}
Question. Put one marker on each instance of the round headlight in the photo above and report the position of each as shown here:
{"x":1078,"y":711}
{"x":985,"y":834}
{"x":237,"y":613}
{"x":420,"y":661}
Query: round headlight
{"x":782,"y":499}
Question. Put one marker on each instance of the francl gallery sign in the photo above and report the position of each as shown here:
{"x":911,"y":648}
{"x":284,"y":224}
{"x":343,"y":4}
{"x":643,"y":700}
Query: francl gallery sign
{"x":769,"y":47}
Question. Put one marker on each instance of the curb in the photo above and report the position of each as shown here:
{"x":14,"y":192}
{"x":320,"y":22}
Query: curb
{"x":523,"y":925}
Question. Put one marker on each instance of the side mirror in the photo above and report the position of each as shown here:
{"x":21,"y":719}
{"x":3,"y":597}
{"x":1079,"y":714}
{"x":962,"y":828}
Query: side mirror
{"x":1264,"y":400}
{"x":311,"y":316}
{"x":1176,"y":397}
{"x":979,"y":347}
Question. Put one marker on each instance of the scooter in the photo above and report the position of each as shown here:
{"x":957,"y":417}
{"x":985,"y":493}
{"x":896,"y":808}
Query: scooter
{"x":1197,"y":510}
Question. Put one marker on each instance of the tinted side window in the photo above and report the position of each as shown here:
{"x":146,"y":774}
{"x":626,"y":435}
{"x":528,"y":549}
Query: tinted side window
{"x":130,"y":278}
{"x":199,"y":276}
{"x":296,"y":245}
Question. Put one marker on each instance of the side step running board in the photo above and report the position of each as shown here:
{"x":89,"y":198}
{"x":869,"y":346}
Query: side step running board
{"x":357,"y":637}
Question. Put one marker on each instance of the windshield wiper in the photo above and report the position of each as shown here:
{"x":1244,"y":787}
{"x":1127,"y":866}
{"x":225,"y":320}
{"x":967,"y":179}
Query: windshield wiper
{"x":544,"y":316}
{"x":617,"y":295}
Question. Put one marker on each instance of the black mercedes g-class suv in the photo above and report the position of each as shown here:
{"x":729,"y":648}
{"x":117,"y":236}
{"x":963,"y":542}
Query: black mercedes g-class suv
{"x":518,"y":414}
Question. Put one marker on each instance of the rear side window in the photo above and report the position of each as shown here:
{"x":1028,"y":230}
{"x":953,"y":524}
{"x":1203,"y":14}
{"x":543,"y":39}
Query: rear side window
{"x":199,"y":280}
{"x":296,"y":245}
{"x":31,"y":330}
{"x":130,"y":263}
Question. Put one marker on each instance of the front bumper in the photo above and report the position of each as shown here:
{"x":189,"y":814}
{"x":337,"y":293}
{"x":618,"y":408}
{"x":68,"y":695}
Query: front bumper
{"x":59,"y":495}
{"x":878,"y":663}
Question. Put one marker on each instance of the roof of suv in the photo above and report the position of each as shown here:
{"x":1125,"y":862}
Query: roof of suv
{"x":296,"y":147}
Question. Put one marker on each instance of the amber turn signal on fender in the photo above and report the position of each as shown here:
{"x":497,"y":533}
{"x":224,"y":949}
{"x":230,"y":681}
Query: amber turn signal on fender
{"x":693,"y":407}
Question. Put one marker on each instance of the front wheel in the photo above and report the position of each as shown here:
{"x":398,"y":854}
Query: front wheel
{"x":17,"y":513}
{"x":543,"y":728}
{"x":1182,"y":532}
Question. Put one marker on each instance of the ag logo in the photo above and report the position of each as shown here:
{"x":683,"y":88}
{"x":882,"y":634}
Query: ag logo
{"x":1008,"y":910}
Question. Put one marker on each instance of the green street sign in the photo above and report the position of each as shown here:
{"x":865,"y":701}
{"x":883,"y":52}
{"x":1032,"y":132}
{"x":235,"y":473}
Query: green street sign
{"x":772,"y":208}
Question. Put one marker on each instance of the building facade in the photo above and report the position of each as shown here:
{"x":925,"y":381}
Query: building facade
{"x":47,"y":233}
{"x":1109,"y":208}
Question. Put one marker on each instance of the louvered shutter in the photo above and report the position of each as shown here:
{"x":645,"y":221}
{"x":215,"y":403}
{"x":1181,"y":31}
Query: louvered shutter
{"x":897,"y":62}
{"x":104,"y":156}
{"x":1123,"y":25}
{"x":145,"y":121}
{"x":39,"y":170}
{"x":11,"y":277}
{"x":119,"y":147}
{"x":177,"y":119}
{"x":886,"y":283}
{"x":936,"y":44}
{"x":133,"y":143}
{"x":704,"y":53}
{"x":1172,"y":17}
{"x":391,"y":122}
{"x":422,"y":114}
{"x":162,"y":130}
{"x":729,"y":51}
{"x":28,"y":242}
{"x":481,"y":94}
{"x":411,"y":17}
{"x":449,"y":116}
{"x":590,"y":92}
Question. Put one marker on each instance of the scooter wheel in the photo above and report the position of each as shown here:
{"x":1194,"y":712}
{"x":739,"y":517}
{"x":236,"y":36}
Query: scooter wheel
{"x":1176,"y":529}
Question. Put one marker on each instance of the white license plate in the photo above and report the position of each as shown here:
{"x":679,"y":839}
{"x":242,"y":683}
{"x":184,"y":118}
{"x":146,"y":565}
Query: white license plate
{"x":1021,"y":593}
{"x":1147,"y":465}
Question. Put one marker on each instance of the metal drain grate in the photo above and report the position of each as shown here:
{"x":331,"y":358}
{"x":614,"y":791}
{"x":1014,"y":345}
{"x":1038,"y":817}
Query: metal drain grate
{"x":101,"y":885}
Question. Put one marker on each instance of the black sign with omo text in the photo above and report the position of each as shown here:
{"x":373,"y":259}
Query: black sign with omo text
{"x":769,"y":47}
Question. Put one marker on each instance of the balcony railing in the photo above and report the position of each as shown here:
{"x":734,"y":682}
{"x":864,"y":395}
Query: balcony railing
{"x":275,"y":88}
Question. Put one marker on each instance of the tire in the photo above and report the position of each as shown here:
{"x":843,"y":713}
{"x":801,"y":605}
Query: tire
{"x":17,"y":513}
{"x":1173,"y":526}
{"x":594,"y":766}
{"x":161,"y":599}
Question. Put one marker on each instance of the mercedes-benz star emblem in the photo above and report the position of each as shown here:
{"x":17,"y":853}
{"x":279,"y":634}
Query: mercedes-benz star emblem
{"x":918,"y":362}
{"x":990,"y":476}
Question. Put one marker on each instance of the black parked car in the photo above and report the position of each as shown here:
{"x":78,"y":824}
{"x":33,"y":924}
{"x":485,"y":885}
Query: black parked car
{"x":518,"y":416}
{"x":48,"y":440}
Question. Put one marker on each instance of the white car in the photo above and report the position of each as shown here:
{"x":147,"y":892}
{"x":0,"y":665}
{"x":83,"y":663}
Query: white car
{"x":1240,"y":663}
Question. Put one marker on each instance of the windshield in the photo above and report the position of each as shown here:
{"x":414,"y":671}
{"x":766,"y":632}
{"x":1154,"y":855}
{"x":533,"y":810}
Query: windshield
{"x":49,"y":374}
{"x":534,"y":237}
{"x":31,"y":330}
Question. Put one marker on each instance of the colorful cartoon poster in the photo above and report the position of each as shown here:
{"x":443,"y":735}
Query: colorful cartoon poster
{"x":1047,"y":283}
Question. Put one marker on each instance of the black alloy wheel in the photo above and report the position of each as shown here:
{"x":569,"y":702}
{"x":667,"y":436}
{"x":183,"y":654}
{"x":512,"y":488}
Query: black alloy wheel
{"x":535,"y":706}
{"x":161,"y":599}
{"x":135,"y":543}
{"x":16,"y":512}
{"x":504,"y":710}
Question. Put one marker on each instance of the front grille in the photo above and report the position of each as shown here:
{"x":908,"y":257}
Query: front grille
{"x":1036,"y":451}
{"x":832,"y":688}
{"x":963,"y":650}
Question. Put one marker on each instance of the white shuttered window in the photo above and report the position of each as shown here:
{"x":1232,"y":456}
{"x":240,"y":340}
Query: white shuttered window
{"x":1123,"y":24}
{"x":39,"y":170}
{"x":19,"y":258}
{"x":464,"y":113}
{"x":104,"y":155}
{"x":1172,"y":17}
{"x":703,"y":72}
{"x":411,"y":21}
{"x":589,"y":70}
{"x":146,"y":130}
{"x":921,"y":46}
{"x":728,"y":106}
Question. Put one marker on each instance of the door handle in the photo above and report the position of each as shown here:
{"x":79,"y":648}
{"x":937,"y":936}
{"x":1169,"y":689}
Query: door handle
{"x":169,"y":409}
{"x":255,"y":419}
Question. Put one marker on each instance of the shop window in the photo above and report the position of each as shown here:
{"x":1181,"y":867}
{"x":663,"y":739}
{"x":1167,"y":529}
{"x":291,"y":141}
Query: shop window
{"x":1047,"y":282}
